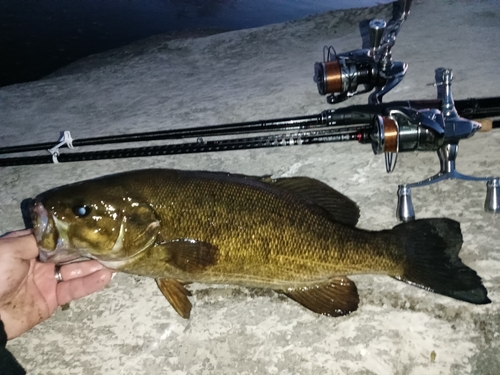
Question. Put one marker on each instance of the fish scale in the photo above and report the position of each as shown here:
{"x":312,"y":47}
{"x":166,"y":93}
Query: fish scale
{"x":275,"y":232}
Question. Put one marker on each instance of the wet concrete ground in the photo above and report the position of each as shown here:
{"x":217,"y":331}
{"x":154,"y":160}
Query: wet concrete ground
{"x":247,"y":75}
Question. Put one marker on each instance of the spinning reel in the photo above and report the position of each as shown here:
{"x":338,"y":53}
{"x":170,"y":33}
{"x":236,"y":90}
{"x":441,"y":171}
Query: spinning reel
{"x":404,"y":129}
{"x":340,"y":75}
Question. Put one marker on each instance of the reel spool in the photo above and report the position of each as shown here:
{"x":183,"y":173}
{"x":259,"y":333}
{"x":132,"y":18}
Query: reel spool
{"x":385,"y":140}
{"x":339,"y":77}
{"x":405,"y":129}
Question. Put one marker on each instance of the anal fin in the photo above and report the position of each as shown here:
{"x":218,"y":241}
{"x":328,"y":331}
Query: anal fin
{"x":175,"y":292}
{"x":337,"y":297}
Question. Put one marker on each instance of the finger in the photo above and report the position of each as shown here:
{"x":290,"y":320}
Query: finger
{"x":80,"y":269}
{"x":18,"y":233}
{"x":70,"y":290}
{"x":23,"y":246}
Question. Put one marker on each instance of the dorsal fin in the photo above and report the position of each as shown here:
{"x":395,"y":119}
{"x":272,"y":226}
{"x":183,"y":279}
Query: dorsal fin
{"x":338,"y":207}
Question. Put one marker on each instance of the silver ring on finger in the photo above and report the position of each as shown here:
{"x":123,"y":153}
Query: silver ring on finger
{"x":58,"y":274}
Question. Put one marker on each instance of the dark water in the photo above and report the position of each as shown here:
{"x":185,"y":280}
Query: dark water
{"x":38,"y":37}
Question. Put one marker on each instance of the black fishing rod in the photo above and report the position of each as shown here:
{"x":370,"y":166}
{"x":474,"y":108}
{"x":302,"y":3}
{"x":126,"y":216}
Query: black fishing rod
{"x":328,"y":118}
{"x":344,"y":124}
{"x":303,"y":138}
{"x":353,"y":115}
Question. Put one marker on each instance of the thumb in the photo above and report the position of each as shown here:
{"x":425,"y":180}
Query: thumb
{"x":21,"y":244}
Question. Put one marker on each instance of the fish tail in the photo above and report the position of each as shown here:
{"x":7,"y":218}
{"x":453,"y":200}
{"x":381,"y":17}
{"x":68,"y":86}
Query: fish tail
{"x":431,"y":262}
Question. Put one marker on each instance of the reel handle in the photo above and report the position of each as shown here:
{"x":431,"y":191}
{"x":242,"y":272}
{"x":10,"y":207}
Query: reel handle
{"x":377,"y":28}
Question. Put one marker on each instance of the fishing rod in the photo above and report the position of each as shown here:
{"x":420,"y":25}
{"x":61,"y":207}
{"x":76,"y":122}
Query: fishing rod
{"x":302,"y":138}
{"x":341,"y":119}
{"x":392,"y":127}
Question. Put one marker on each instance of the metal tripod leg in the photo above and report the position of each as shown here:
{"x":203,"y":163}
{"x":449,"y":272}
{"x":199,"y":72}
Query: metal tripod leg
{"x":492,"y":202}
{"x":447,"y":157}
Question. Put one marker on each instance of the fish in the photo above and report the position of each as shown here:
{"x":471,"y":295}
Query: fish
{"x":296,"y":236}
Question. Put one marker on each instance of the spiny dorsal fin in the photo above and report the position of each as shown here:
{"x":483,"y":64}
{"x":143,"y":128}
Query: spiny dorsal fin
{"x":177,"y":295}
{"x":339,"y":207}
{"x":337,"y":297}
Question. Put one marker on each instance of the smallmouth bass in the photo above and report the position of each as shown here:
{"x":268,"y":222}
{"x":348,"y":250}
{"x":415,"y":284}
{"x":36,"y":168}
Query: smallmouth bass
{"x":295,"y":235}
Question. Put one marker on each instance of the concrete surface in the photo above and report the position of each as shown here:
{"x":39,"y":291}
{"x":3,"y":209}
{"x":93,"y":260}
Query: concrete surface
{"x":129,"y":328}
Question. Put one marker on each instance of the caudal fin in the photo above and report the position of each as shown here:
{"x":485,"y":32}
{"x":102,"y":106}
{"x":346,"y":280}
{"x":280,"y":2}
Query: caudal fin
{"x":432,"y":263}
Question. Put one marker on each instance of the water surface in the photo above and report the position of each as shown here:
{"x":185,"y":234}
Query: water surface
{"x":38,"y":37}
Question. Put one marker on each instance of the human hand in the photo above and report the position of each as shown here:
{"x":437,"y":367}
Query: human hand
{"x":29,"y":291}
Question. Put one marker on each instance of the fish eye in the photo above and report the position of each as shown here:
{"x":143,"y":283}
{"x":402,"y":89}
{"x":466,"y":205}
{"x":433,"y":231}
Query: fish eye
{"x":82,"y":210}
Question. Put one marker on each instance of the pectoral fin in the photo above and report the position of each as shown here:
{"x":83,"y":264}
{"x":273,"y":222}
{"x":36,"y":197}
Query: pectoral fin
{"x":177,"y":295}
{"x":337,"y":297}
{"x":190,"y":255}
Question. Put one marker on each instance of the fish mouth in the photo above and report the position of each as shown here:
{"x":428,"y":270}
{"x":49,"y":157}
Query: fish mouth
{"x":49,"y":236}
{"x":39,"y":219}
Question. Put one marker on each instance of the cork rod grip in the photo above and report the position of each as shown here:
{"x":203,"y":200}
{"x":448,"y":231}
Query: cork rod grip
{"x":488,"y":124}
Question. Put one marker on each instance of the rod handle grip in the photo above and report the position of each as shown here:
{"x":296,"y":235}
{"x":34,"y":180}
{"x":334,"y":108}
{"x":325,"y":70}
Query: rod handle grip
{"x":486,"y":124}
